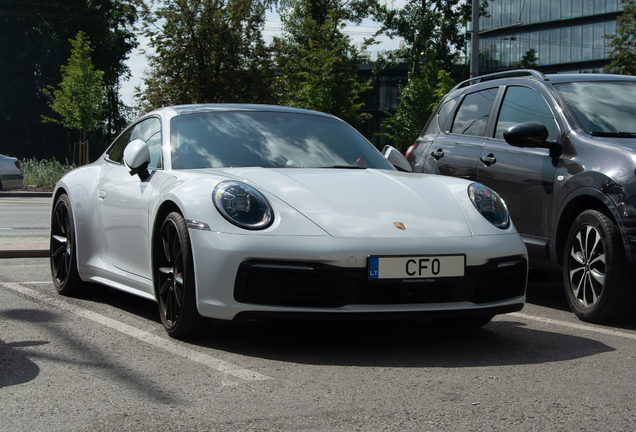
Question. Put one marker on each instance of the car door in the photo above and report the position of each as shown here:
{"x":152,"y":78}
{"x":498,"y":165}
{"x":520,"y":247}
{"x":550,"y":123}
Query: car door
{"x":123,"y":202}
{"x":456,"y":150}
{"x":524,"y":177}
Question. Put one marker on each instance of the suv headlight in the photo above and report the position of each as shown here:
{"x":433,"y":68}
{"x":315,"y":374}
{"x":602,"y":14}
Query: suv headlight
{"x":242,"y":205}
{"x":489,"y":204}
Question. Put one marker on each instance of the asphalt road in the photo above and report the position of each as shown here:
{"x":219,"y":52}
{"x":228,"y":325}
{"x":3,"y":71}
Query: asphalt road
{"x":103,"y":362}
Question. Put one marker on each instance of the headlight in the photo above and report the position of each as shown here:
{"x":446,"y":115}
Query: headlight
{"x":242,"y":205}
{"x":489,"y":204}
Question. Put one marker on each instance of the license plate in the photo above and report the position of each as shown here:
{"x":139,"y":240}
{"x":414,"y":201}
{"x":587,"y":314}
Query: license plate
{"x":417,"y":267}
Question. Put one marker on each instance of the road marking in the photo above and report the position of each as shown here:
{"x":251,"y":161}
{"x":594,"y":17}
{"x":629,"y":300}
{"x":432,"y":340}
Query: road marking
{"x":144,"y":336}
{"x":574,"y":325}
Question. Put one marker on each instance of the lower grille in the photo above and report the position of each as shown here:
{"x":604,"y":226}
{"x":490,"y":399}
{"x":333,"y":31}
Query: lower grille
{"x":318,"y":285}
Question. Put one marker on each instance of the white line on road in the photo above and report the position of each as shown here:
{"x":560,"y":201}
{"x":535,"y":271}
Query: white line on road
{"x":574,"y":325}
{"x":144,"y":336}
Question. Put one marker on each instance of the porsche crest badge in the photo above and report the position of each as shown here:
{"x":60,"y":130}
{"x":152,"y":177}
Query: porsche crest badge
{"x":399,"y":225}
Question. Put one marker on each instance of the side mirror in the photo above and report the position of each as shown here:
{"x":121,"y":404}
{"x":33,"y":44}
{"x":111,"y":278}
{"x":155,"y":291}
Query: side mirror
{"x":137,"y":158}
{"x":396,"y":159}
{"x":529,"y":134}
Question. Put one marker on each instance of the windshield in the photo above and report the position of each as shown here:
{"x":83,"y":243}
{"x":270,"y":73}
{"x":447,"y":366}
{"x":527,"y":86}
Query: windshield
{"x":603,"y":107}
{"x":268,"y":139}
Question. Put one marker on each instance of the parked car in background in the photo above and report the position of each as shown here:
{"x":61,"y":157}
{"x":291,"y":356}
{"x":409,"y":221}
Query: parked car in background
{"x":10,"y":173}
{"x":561,"y":151}
{"x":243,"y":212}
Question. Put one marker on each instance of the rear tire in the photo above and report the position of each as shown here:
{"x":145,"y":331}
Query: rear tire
{"x":595,"y":271}
{"x":62,"y":248}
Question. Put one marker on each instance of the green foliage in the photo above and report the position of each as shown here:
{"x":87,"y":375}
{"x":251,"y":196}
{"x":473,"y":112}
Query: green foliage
{"x":34,"y":42}
{"x":623,"y":43}
{"x":80,"y":98}
{"x":206,"y":51}
{"x":419,"y":98}
{"x":529,"y":60}
{"x":43,"y":174}
{"x":431,"y":29}
{"x":317,"y":62}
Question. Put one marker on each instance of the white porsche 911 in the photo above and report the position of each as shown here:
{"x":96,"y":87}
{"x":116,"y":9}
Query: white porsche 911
{"x":243,"y":212}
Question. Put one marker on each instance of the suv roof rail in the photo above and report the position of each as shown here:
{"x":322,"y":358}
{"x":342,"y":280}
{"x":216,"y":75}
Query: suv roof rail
{"x":506,"y":74}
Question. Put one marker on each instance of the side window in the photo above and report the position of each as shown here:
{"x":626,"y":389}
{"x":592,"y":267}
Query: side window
{"x":443,"y":117}
{"x":148,"y":131}
{"x":116,"y":152}
{"x":523,"y":104}
{"x":472,"y":115}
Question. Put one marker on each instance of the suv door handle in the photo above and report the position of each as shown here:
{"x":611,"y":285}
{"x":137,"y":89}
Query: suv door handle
{"x":488,"y":160}
{"x":438,"y":154}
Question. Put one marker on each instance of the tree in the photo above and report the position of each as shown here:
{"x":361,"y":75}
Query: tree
{"x":433,"y":34}
{"x":529,"y":60}
{"x":623,"y":43}
{"x":206,"y":51}
{"x":34,"y":41}
{"x":418,"y":100}
{"x":431,"y":29}
{"x":81,"y":96}
{"x":317,"y":62}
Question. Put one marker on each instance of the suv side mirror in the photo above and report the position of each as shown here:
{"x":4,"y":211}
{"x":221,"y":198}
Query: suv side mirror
{"x":529,"y":134}
{"x":532,"y":134}
{"x":396,"y":159}
{"x":137,"y":158}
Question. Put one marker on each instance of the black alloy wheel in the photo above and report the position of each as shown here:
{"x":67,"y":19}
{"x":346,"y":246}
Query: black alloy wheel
{"x":595,"y":272}
{"x":174,"y":276}
{"x":62,"y":248}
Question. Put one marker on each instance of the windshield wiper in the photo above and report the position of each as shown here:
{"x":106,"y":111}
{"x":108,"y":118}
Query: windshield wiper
{"x":614,"y":134}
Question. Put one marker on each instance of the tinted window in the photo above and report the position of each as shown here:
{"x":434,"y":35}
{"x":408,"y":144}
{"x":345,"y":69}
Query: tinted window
{"x":523,"y":104}
{"x":602,"y":106}
{"x":268,"y":139}
{"x":444,"y":114}
{"x":472,"y":115}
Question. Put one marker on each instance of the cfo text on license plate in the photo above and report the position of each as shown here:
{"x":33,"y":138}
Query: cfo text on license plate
{"x":416,"y":267}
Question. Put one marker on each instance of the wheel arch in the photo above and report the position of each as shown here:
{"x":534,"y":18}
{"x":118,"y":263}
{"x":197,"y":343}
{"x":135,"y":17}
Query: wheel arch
{"x":577,"y":202}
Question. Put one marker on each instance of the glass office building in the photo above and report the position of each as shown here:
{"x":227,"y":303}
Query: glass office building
{"x":567,"y":35}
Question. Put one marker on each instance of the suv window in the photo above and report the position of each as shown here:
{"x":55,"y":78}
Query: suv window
{"x":523,"y":104}
{"x":472,"y":115}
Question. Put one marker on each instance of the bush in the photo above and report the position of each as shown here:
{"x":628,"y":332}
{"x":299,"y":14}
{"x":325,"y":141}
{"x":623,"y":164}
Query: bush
{"x":43,"y":174}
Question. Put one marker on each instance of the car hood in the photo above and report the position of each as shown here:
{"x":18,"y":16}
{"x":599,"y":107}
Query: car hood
{"x":365,"y":203}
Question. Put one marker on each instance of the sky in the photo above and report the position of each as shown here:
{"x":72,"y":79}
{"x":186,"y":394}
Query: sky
{"x":138,"y":64}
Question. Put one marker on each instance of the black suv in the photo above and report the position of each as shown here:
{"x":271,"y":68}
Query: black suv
{"x":561,"y":151}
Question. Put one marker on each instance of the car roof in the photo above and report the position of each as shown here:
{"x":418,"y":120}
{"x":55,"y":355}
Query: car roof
{"x":563,"y":78}
{"x":202,"y":108}
{"x":530,"y":74}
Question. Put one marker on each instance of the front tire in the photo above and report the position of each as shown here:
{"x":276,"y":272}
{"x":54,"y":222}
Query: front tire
{"x":595,"y":271}
{"x":62,"y":248}
{"x":174,"y":279}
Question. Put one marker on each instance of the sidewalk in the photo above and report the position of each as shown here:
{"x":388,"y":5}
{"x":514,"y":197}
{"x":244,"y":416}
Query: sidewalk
{"x":24,"y":247}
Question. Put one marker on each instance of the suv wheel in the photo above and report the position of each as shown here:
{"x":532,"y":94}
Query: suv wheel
{"x":595,"y":271}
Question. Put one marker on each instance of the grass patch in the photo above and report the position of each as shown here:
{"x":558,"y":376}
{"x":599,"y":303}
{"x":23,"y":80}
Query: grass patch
{"x":43,"y":174}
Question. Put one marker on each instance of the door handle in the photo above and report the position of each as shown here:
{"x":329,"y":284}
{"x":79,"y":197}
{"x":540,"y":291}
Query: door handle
{"x":488,"y":160}
{"x":438,"y":154}
{"x":102,"y":194}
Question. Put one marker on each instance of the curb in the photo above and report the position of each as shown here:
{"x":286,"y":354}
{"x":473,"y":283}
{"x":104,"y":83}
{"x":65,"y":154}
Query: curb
{"x":24,"y":250}
{"x":24,"y":253}
{"x":25,"y":194}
